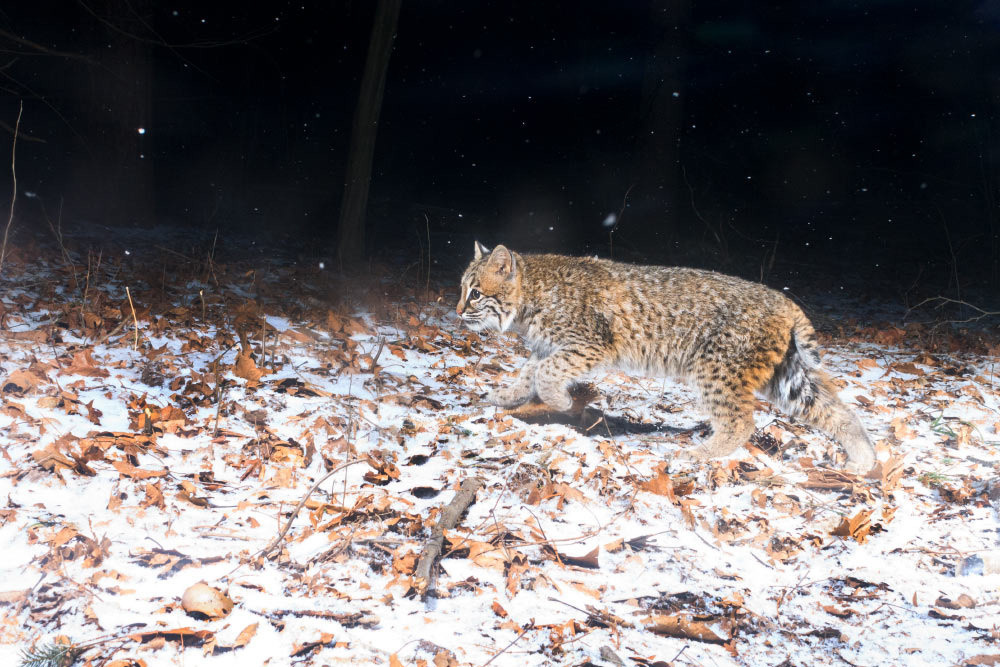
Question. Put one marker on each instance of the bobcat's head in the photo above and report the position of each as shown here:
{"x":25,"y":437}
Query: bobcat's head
{"x":491,"y":290}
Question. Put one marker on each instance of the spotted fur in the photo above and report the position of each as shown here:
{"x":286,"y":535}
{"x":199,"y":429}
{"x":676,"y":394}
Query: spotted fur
{"x":730,"y":338}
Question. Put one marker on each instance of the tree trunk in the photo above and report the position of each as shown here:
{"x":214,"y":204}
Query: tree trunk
{"x":351,"y":227}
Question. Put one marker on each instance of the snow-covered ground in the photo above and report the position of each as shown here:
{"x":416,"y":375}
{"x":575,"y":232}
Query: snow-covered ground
{"x":132,"y":467}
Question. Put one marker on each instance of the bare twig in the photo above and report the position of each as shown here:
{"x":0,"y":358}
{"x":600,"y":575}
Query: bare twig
{"x":13,"y":196}
{"x":44,"y":50}
{"x":218,"y":397}
{"x":111,"y":333}
{"x":427,"y":286}
{"x":378,"y":353}
{"x":530,"y":626}
{"x":450,"y":515}
{"x":618,"y":219}
{"x":269,"y":549}
{"x":135,"y":320}
{"x":941,"y":301}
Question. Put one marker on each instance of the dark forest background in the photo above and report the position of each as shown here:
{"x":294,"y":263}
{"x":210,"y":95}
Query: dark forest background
{"x":859,"y":138}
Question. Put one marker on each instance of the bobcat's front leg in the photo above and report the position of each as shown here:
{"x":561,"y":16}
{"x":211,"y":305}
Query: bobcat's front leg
{"x":557,"y":372}
{"x":521,"y":391}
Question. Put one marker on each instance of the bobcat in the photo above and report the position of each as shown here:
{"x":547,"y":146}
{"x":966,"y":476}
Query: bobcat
{"x":729,"y":337}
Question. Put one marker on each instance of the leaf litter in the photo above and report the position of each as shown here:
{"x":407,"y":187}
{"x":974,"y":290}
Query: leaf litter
{"x":262,"y":465}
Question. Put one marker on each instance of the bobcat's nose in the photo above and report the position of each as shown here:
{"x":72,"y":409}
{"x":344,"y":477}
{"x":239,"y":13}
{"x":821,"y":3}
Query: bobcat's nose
{"x":459,"y":308}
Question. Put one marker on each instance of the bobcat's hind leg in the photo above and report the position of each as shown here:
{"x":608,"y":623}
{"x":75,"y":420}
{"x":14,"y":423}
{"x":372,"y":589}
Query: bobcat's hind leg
{"x":727,"y":386}
{"x":732,"y":426}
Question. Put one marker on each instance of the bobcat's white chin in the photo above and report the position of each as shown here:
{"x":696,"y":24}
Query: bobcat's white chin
{"x":473,"y":325}
{"x":490,"y":321}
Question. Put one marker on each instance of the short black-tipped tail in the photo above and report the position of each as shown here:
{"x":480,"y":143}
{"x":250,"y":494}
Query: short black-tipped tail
{"x":802,"y":388}
{"x":793,"y":386}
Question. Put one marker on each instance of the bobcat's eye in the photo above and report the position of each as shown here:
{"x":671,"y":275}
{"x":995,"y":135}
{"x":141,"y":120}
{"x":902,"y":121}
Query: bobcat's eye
{"x":474,"y":294}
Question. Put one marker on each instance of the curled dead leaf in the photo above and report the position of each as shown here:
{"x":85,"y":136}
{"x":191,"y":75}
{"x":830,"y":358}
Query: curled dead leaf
{"x":207,"y":601}
{"x":188,"y":636}
{"x":21,"y":382}
{"x":405,"y":562}
{"x":715,"y":630}
{"x":245,"y":635}
{"x":127,"y":662}
{"x":858,"y":526}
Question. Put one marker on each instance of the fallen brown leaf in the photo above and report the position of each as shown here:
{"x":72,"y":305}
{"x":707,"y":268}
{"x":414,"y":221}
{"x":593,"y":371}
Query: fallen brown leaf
{"x":715,"y":630}
{"x":857,"y":527}
{"x":245,"y":635}
{"x":129,"y":470}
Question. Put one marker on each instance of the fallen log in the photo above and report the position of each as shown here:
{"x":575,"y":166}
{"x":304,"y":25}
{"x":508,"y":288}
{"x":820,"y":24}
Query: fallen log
{"x":425,"y":573}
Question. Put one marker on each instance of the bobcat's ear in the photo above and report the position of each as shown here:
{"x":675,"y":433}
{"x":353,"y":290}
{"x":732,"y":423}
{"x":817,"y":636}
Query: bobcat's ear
{"x":480,"y":250}
{"x":502,"y":263}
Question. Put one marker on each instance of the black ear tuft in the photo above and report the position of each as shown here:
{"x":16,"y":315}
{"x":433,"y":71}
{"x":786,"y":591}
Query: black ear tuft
{"x":480,"y":250}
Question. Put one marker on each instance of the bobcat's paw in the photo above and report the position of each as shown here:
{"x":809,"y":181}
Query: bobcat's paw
{"x":559,"y":401}
{"x":860,"y":462}
{"x":713,"y":448}
{"x":505,"y":398}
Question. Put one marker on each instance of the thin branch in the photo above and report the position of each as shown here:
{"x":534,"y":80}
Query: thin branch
{"x":943,"y":301}
{"x":43,"y":50}
{"x":530,"y":626}
{"x":207,"y":44}
{"x":13,"y":197}
{"x":135,"y":345}
{"x":266,"y":551}
{"x":22,"y":135}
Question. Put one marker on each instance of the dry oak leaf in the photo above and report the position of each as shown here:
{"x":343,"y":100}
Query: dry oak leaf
{"x":187,"y":493}
{"x":245,"y":367}
{"x":498,"y":609}
{"x":858,"y":526}
{"x":825,"y":479}
{"x":154,"y":497}
{"x":245,"y":635}
{"x":514,"y":570}
{"x":588,"y":560}
{"x":888,"y":472}
{"x":325,"y":639}
{"x":51,"y":459}
{"x":22,"y":381}
{"x":909,"y":368}
{"x":83,"y":363}
{"x":32,"y":335}
{"x":188,"y":636}
{"x":349,"y":325}
{"x":661,"y":484}
{"x":11,"y":597}
{"x":900,"y":430}
{"x":129,"y":470}
{"x":962,"y":602}
{"x":405,"y":563}
{"x":445,"y":658}
{"x":866,"y":363}
{"x":839,"y":612}
{"x":713,"y":629}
